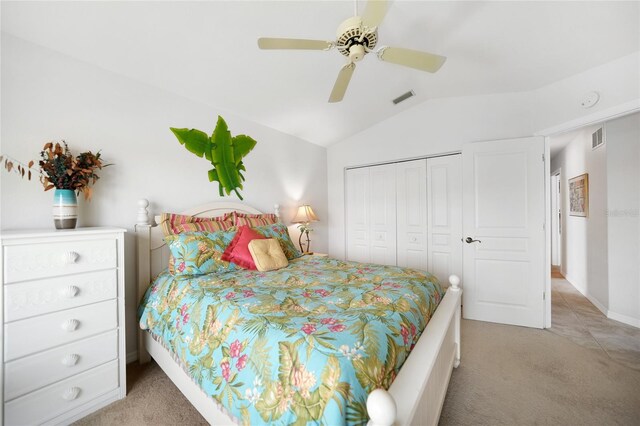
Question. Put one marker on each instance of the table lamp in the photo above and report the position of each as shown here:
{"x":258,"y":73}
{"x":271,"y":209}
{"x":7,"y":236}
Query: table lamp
{"x":304,"y":216}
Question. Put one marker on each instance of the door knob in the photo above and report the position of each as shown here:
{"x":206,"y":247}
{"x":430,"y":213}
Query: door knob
{"x":470,"y":240}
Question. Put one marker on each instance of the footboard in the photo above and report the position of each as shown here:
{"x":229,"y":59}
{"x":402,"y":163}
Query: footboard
{"x":417,"y":394}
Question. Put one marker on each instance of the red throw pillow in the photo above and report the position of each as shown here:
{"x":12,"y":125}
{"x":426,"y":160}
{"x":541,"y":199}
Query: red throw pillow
{"x":238,"y":249}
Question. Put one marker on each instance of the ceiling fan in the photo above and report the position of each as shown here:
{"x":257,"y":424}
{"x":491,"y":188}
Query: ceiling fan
{"x":356,"y":37}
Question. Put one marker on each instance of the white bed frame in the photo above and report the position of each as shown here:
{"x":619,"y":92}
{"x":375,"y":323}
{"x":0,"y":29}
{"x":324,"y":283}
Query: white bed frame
{"x":416,"y":395}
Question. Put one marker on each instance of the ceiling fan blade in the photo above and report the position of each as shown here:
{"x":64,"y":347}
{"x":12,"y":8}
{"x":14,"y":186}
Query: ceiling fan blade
{"x":375,"y":12}
{"x":422,"y":61}
{"x":342,"y":82}
{"x":293,"y":43}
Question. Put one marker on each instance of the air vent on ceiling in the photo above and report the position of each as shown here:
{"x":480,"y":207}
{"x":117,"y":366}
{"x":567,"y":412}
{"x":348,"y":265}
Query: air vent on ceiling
{"x":596,"y":138}
{"x":403,"y":97}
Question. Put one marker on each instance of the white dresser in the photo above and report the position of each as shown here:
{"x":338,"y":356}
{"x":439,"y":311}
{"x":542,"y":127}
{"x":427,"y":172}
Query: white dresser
{"x":63,"y":349}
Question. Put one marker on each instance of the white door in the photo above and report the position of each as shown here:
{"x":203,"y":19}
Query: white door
{"x":357,"y":205}
{"x":503,"y":208}
{"x":411,"y":188}
{"x":444,"y":201}
{"x":382,"y":193}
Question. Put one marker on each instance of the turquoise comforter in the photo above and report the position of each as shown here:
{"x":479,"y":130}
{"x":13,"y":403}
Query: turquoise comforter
{"x":304,"y":344}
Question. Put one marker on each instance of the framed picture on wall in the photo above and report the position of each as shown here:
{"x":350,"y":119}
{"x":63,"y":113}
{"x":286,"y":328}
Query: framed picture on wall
{"x":579,"y":196}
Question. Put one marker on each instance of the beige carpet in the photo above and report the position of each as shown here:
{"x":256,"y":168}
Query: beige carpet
{"x":519,"y":376}
{"x":508,"y":376}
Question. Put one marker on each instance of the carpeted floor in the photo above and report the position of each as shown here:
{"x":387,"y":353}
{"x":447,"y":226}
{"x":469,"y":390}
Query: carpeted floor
{"x":508,"y":376}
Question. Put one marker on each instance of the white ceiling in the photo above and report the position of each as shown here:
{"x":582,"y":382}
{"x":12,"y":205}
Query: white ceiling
{"x":207,"y":51}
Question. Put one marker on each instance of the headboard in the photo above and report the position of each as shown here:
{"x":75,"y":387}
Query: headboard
{"x":153,"y":253}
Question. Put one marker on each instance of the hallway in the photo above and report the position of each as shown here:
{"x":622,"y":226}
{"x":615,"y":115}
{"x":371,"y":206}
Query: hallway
{"x":578,"y":320}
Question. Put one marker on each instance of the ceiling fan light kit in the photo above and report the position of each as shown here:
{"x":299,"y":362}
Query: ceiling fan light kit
{"x":356,"y":37}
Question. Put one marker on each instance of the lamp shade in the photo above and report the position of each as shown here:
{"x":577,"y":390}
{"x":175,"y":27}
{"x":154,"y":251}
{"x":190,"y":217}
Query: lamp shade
{"x":305,"y":214}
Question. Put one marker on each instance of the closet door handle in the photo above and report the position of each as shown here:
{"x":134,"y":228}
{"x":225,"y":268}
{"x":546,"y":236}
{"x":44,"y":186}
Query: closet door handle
{"x":470,"y":240}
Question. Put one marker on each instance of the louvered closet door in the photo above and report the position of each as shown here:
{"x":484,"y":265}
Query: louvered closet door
{"x":383,"y":214}
{"x":357,"y":204}
{"x":444,"y":226}
{"x":411,"y":186}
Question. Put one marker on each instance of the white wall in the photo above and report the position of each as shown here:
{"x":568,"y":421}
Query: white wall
{"x":584,"y":239}
{"x":623,"y":190}
{"x":444,"y":125}
{"x":433,"y":127}
{"x":48,"y":96}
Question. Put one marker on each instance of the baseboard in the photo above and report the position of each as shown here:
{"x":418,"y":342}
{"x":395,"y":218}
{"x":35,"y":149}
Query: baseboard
{"x":132,"y":356}
{"x":589,"y":297}
{"x":635,"y":322}
{"x":596,"y":303}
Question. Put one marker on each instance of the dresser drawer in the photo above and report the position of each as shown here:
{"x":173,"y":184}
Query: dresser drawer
{"x":36,"y":371}
{"x":27,"y":299}
{"x":42,"y":260}
{"x":35,"y":334}
{"x":44,"y":404}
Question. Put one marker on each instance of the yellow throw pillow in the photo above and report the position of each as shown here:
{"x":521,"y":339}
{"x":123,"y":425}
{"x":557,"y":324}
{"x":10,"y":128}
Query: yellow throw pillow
{"x":267,"y":254}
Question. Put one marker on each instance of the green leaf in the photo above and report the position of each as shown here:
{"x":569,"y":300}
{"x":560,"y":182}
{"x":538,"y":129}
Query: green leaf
{"x":288,"y":360}
{"x":242,"y":145}
{"x":223,"y":157}
{"x":329,"y":379}
{"x":269,"y":404}
{"x":213,"y":175}
{"x":225,"y":152}
{"x":195,"y":141}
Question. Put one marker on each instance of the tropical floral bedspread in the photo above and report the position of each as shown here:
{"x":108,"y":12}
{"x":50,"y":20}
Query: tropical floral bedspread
{"x":306,"y":343}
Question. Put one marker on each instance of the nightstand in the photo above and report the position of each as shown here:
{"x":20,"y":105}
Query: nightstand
{"x":63,"y":311}
{"x":317,"y":254}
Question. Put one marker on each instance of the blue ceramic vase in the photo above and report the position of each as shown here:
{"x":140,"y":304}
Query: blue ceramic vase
{"x":65,"y":209}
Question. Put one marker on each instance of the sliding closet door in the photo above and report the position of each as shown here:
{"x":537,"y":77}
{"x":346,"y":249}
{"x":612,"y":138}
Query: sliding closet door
{"x":383,"y":214}
{"x":411,"y":199}
{"x":357,"y":205}
{"x":444,"y":226}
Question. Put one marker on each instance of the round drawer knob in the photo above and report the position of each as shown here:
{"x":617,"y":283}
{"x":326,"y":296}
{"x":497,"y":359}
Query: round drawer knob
{"x":71,"y":393}
{"x":71,"y":360}
{"x":70,"y":291}
{"x":70,"y":257}
{"x":70,"y":325}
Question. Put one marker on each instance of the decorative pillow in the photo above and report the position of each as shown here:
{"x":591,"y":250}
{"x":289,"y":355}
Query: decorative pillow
{"x":281,"y":233}
{"x":172,"y":223}
{"x":253,"y":220}
{"x":267,"y":254}
{"x":199,"y":253}
{"x":238,"y":250}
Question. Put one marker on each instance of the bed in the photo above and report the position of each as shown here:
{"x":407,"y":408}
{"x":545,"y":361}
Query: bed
{"x":320,"y":351}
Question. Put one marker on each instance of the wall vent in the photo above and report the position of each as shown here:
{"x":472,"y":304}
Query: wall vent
{"x":403,"y":97}
{"x":597,"y":139}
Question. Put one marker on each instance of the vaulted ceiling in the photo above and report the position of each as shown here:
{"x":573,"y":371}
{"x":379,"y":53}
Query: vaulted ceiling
{"x":207,"y":51}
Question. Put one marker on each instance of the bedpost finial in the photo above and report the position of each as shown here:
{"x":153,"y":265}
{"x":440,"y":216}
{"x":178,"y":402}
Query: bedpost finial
{"x":143,"y":213}
{"x":454,"y":280}
{"x":276,"y":210}
{"x":381,"y":408}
